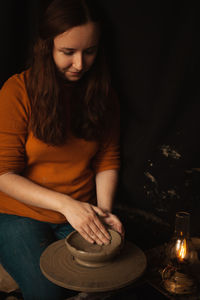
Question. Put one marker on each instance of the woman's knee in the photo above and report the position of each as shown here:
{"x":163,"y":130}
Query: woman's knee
{"x":16,"y":230}
{"x":22,"y":240}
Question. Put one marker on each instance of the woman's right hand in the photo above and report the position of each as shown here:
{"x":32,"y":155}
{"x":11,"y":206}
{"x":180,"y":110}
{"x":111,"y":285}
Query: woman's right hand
{"x":84,"y":218}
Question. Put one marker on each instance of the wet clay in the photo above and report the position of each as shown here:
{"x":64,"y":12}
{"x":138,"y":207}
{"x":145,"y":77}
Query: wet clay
{"x":79,"y":243}
{"x":93,"y":255}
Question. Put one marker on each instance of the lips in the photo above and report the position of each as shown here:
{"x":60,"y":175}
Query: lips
{"x":75,"y":73}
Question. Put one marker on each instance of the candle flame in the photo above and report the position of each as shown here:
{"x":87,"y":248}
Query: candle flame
{"x":181,"y":249}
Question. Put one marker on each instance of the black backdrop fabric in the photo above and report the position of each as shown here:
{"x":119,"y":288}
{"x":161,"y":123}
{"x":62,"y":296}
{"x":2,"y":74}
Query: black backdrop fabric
{"x":154,"y":55}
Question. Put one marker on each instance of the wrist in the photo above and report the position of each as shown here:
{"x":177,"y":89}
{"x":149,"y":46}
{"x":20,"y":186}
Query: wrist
{"x":63,"y":203}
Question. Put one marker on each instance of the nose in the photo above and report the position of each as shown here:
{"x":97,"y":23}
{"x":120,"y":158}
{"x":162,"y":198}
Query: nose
{"x":78,"y":61}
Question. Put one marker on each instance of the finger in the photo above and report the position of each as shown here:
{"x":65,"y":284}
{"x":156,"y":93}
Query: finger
{"x":115,"y":223}
{"x":101,"y":229}
{"x":99,"y":211}
{"x":98,"y":235}
{"x":86,"y":236}
{"x":92,"y":234}
{"x":95,"y":237}
{"x":99,"y":242}
{"x":114,"y":219}
{"x":120,"y":229}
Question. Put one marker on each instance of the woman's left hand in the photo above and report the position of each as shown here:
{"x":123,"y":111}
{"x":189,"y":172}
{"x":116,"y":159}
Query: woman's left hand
{"x":114,"y":223}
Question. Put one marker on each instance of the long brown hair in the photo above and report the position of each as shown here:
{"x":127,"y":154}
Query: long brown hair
{"x":89,"y":112}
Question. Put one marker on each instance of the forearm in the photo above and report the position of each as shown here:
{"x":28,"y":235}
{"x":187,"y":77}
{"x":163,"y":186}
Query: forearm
{"x":106,"y":184}
{"x":28,"y":192}
{"x":82,"y":216}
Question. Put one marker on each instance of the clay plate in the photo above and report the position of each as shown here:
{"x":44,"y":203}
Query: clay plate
{"x":59,"y":266}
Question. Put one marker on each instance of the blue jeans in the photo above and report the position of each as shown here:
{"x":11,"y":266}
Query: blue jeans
{"x":22,"y":241}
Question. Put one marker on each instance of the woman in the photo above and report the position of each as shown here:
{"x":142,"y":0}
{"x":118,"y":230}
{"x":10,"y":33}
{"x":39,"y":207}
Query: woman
{"x":59,"y":152}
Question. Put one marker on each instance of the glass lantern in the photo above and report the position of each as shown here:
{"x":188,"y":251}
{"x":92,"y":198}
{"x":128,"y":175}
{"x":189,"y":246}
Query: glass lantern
{"x":178,"y":277}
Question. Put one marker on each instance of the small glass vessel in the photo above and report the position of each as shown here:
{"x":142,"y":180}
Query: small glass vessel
{"x":178,"y":277}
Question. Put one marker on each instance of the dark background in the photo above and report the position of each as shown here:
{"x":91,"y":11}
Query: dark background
{"x":154,"y":55}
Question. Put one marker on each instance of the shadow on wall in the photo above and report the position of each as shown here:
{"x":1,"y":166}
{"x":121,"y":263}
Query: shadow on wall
{"x":18,"y":27}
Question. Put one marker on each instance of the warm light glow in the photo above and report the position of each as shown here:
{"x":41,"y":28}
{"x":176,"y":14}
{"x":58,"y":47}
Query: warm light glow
{"x":181,"y":249}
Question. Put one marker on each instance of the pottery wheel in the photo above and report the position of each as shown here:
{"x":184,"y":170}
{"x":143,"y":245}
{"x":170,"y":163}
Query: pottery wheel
{"x":59,"y":266}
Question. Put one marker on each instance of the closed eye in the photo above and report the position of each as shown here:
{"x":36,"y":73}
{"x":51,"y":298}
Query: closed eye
{"x":68,"y":52}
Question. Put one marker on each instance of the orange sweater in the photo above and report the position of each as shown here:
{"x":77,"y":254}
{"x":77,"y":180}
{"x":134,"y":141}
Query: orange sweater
{"x":69,"y":169}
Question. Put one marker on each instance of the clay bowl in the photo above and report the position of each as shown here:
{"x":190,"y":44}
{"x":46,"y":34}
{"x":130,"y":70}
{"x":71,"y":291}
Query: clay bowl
{"x":93,"y":255}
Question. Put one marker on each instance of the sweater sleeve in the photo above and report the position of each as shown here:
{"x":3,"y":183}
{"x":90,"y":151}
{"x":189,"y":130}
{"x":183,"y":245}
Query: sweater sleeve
{"x":14,"y":111}
{"x":108,"y":155}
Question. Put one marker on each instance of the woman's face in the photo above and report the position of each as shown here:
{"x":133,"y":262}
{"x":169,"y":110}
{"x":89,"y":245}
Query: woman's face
{"x":74,"y":51}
